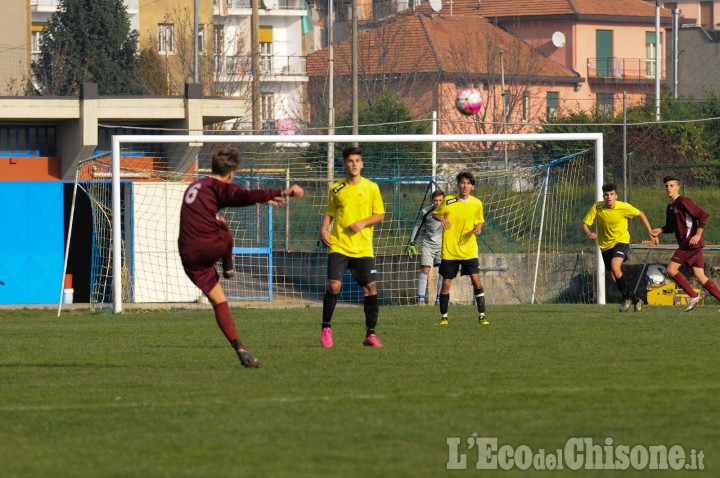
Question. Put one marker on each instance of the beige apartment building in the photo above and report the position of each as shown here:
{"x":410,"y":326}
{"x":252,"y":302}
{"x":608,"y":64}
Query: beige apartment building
{"x":15,"y":47}
{"x":166,"y":31}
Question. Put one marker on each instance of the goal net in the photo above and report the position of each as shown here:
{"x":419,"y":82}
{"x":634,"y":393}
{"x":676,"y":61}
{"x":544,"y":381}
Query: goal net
{"x":535,"y":190}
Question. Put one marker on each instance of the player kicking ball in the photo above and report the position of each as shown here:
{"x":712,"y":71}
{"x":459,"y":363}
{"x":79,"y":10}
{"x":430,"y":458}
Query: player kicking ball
{"x":462,"y":219}
{"x":205,"y":238}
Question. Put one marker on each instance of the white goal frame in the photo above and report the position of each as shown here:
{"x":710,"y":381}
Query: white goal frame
{"x":119,"y":140}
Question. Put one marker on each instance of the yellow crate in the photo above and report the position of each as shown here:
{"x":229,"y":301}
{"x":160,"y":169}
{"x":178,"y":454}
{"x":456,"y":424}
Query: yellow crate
{"x":667,"y":294}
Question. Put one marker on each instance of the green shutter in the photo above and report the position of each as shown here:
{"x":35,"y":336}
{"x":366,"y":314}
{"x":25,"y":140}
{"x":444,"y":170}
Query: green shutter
{"x":604,"y":52}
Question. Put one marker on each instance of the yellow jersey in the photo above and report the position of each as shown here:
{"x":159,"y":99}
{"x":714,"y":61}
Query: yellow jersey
{"x":349,"y":204}
{"x":459,"y":241}
{"x":612,"y":224}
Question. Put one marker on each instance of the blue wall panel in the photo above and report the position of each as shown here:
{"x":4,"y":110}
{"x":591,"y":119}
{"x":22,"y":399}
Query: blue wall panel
{"x":31,"y":242}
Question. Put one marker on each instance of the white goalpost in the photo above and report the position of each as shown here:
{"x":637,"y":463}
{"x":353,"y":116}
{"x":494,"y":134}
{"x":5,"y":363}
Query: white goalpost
{"x":531,"y":206}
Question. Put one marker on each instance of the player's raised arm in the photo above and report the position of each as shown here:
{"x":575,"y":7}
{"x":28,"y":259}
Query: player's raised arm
{"x":293,"y":190}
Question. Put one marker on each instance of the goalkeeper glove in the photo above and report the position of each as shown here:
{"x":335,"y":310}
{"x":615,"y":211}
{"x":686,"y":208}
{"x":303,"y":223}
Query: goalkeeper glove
{"x":411,"y":251}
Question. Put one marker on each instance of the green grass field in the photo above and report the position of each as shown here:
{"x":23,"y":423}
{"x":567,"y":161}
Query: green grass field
{"x":158,"y":394}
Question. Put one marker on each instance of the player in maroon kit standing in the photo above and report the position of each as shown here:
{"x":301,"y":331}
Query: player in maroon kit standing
{"x":687,"y":220}
{"x":205,"y":237}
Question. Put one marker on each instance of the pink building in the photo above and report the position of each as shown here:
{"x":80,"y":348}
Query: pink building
{"x":530,"y":59}
{"x":611,"y":44}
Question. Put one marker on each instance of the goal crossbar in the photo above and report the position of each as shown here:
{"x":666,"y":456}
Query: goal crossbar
{"x":119,"y":140}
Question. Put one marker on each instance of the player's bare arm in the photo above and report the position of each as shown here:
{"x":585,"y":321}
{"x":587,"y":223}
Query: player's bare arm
{"x":653,"y":237}
{"x":325,"y":230}
{"x":478,"y":229}
{"x":276,"y":201}
{"x":372,"y":220}
{"x":696,"y":238}
{"x":586,"y":230}
{"x":293,"y":190}
{"x":445,"y":223}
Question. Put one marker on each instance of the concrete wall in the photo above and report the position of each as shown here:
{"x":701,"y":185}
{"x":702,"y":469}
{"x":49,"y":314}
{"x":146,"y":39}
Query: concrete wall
{"x":507,"y":278}
{"x":698,"y":63}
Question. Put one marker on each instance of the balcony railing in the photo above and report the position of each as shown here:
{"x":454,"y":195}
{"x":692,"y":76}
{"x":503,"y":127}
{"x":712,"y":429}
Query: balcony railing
{"x":130,"y":4}
{"x":621,"y":68}
{"x":281,"y":4}
{"x":269,"y":65}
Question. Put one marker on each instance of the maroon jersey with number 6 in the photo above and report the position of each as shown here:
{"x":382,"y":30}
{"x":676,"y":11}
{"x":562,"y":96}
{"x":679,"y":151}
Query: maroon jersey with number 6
{"x":199,"y":220}
{"x":204,"y":237}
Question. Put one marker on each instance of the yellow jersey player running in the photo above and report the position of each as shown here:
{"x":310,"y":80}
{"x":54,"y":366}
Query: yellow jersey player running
{"x":462,"y":218}
{"x":354,"y":207}
{"x":613,"y":238}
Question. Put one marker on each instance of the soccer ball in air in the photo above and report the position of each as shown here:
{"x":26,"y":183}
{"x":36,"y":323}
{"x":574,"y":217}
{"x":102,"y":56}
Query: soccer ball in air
{"x":656,"y":274}
{"x":468,"y":101}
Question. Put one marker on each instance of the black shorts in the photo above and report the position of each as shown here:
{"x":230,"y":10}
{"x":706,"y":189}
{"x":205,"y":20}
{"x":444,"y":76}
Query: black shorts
{"x":449,"y":267}
{"x":618,"y":250}
{"x":362,"y":269}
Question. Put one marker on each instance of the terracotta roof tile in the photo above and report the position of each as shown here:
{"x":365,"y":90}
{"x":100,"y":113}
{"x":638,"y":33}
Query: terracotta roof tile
{"x":466,"y":44}
{"x":418,"y":43}
{"x":548,"y":8}
{"x":400,"y":46}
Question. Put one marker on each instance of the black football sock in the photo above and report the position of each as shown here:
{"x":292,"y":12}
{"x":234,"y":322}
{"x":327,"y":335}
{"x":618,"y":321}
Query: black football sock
{"x":444,"y":302}
{"x":329,"y":303}
{"x":371,"y":313}
{"x":623,"y":288}
{"x":480,"y":299}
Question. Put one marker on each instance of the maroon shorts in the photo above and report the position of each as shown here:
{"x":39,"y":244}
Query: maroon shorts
{"x":199,"y":260}
{"x":691,"y":257}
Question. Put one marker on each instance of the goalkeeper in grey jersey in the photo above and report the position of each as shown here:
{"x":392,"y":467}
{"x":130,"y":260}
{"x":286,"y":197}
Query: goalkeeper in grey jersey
{"x":431,"y":247}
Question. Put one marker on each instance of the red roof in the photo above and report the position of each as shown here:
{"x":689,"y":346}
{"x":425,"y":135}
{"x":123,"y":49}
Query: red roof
{"x":623,"y":9}
{"x":419,"y":43}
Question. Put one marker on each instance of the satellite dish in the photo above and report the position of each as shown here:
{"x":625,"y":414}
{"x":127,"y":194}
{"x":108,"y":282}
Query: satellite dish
{"x":436,"y":5}
{"x":558,"y":39}
{"x":270,"y":4}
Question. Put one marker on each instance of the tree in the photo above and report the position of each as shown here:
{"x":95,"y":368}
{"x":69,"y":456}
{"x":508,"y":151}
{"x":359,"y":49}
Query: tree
{"x":88,"y":41}
{"x":390,"y":115}
{"x":684,"y":143}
